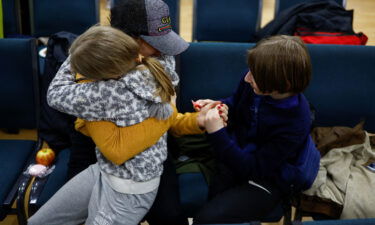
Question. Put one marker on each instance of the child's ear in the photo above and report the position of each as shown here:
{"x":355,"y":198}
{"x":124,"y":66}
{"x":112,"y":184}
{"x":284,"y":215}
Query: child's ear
{"x":139,"y":59}
{"x":82,"y":79}
{"x":80,"y":76}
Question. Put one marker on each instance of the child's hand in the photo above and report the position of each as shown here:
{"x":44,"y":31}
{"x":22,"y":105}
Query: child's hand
{"x":213,"y":122}
{"x":223,"y":112}
{"x":199,"y":104}
{"x":203,"y":111}
{"x":221,"y":108}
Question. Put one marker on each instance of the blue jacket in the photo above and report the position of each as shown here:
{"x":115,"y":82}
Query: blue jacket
{"x":268,"y":140}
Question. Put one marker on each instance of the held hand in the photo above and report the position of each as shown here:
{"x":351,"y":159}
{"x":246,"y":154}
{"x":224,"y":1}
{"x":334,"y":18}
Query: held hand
{"x":223,"y":112}
{"x":199,"y":104}
{"x":203,"y":111}
{"x":213,"y":122}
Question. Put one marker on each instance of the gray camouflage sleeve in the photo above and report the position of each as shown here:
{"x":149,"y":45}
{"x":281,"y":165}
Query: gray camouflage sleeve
{"x":91,"y":101}
{"x":125,"y":101}
{"x":169,"y":64}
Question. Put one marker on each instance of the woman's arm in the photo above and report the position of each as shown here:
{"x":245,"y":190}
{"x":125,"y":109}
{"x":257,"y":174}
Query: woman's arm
{"x":252,"y":160}
{"x":119,"y":144}
{"x":194,"y":123}
{"x":186,"y":124}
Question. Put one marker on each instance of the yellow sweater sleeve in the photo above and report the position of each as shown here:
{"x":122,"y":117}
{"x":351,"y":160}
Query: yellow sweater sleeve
{"x":185,"y":124}
{"x":119,"y":144}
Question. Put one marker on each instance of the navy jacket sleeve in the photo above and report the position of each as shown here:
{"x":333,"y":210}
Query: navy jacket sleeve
{"x":253,"y":161}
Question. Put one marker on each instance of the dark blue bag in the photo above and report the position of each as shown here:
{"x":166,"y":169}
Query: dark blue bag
{"x":55,"y":126}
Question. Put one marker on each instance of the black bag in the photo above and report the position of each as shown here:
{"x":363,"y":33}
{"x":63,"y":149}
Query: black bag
{"x":55,"y":126}
{"x":326,"y":16}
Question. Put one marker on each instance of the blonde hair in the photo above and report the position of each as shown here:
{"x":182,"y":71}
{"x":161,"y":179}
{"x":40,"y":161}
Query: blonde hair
{"x":104,"y":52}
{"x":165,"y":89}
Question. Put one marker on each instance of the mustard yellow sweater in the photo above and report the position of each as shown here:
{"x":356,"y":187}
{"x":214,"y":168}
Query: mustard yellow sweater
{"x":119,"y":144}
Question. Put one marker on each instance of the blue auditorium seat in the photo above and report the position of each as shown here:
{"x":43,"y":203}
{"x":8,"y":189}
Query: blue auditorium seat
{"x":210,"y":70}
{"x":368,"y":221}
{"x":280,"y":5}
{"x":194,"y":192}
{"x":342,"y":86}
{"x":341,"y":89}
{"x":11,"y":18}
{"x":51,"y":16}
{"x":220,"y":20}
{"x":174,"y":13}
{"x":19,"y":108}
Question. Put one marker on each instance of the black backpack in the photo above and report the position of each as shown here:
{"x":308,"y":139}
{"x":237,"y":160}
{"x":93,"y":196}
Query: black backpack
{"x":328,"y":16}
{"x":55,"y":127}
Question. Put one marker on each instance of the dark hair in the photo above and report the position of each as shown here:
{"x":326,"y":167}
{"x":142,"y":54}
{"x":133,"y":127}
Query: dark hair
{"x":280,"y":63}
{"x":130,"y":17}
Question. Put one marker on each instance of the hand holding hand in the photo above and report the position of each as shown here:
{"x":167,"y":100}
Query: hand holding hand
{"x":223,"y":112}
{"x":213,"y":121}
{"x":200,"y":103}
{"x":203,"y":111}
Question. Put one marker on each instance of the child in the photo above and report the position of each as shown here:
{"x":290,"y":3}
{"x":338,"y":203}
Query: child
{"x":115,"y":193}
{"x":266,"y":149}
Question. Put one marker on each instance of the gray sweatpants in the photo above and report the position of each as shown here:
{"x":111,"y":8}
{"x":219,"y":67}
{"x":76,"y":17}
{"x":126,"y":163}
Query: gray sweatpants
{"x":88,"y":198}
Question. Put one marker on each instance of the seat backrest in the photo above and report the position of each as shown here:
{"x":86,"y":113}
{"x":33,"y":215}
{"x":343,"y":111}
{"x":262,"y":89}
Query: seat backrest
{"x":368,"y":221}
{"x":174,"y":13}
{"x":51,"y":16}
{"x":210,"y":70}
{"x":222,"y":20}
{"x":341,"y":90}
{"x":19,"y":99}
{"x":280,"y":5}
{"x":11,"y":17}
{"x":19,"y":108}
{"x":342,"y":87}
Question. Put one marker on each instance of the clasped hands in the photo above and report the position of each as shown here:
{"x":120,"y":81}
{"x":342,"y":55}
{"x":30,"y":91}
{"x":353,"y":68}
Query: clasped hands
{"x":213,"y":115}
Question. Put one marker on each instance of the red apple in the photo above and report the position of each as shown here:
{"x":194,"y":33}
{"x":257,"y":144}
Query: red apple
{"x":45,"y":156}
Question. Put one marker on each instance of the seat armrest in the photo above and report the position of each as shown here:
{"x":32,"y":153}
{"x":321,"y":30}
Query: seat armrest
{"x":35,"y":192}
{"x":21,"y":210}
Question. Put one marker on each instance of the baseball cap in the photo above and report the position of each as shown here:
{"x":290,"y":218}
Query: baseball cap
{"x":150,"y":20}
